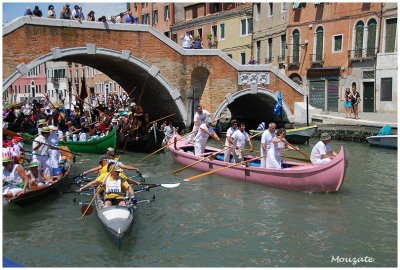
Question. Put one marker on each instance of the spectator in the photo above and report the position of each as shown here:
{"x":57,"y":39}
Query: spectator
{"x":187,"y":40}
{"x":102,"y":19}
{"x":129,"y":18}
{"x":252,"y":61}
{"x":90,"y":16}
{"x":198,"y":44}
{"x":51,"y":14}
{"x":37,"y":12}
{"x":66,"y":12}
{"x":76,"y":13}
{"x":28,"y":12}
{"x":120,"y":18}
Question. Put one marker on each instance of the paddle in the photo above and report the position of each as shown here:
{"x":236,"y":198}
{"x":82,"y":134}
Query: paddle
{"x":146,"y":157}
{"x":162,"y":118}
{"x":299,"y":150}
{"x":198,"y":161}
{"x":220,"y":169}
{"x":297,"y":158}
{"x":88,"y":208}
{"x":173,"y":185}
{"x":11,"y":133}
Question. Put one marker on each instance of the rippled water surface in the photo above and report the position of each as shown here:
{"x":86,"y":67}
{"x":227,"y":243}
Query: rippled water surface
{"x":215,"y":221}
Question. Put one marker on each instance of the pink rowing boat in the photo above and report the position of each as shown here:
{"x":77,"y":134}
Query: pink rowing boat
{"x":294,"y":175}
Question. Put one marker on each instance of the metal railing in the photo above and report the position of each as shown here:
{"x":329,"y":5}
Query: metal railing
{"x":317,"y":59}
{"x":269,"y":60}
{"x":362,"y":53}
{"x":280,"y":58}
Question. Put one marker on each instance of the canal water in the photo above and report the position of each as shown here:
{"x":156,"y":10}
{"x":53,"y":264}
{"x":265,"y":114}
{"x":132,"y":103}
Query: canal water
{"x":219,"y":222}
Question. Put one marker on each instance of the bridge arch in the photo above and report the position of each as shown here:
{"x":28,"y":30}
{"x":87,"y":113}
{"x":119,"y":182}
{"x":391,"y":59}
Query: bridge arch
{"x":262,"y":103}
{"x":128,"y":71}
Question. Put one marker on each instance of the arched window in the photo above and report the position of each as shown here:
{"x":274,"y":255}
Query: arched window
{"x":296,"y":46}
{"x":358,"y":46}
{"x":371,"y":41}
{"x":319,"y":48}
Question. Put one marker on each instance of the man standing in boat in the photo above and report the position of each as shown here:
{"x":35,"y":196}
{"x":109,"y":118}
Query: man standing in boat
{"x":229,"y":133}
{"x":266,"y":140}
{"x":199,"y":118}
{"x":322,"y":152}
{"x":239,"y":139}
{"x":200,"y":141}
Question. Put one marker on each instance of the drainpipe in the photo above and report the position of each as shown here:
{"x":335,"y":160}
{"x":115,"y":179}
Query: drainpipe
{"x":252,"y":33}
{"x":377,"y":51}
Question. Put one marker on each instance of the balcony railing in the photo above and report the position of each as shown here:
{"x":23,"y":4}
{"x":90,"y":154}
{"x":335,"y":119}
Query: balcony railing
{"x":269,"y":60}
{"x":317,"y":59}
{"x":358,"y":54}
{"x":293,"y":61}
{"x":280,"y":58}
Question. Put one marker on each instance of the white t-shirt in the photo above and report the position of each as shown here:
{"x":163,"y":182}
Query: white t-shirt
{"x":319,"y":150}
{"x":201,"y":118}
{"x":266,"y":139}
{"x":201,"y":136}
{"x":186,"y":41}
{"x":240,"y":138}
{"x":229,"y":133}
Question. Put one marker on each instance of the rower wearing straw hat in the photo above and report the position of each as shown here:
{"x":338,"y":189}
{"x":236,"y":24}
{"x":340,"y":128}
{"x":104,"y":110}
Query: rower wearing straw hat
{"x":15,"y":180}
{"x":40,"y":151}
{"x":322,"y":152}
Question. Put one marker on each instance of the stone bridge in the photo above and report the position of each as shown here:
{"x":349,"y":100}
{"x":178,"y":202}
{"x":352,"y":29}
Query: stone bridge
{"x":173,"y":79}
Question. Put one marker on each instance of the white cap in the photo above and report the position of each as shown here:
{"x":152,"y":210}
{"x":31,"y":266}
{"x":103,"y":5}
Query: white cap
{"x":208,"y":120}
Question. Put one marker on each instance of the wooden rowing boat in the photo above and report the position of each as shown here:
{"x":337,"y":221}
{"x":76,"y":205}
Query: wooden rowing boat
{"x":117,"y":220}
{"x":385,"y":141}
{"x":145,"y":144}
{"x":98,"y":146}
{"x":36,"y":194}
{"x":295,"y":176}
{"x":296,"y":135}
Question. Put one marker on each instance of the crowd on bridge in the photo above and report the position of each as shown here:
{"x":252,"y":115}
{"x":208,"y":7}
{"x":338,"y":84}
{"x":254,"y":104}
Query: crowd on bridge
{"x":77,"y":13}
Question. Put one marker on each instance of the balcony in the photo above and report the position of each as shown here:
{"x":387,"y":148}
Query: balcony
{"x":280,"y":58}
{"x":269,"y":60}
{"x":362,"y":54}
{"x":317,"y":60}
{"x":293,"y":61}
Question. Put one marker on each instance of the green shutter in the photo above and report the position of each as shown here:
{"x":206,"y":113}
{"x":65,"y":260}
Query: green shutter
{"x":320,"y":45}
{"x":359,"y":39}
{"x":317,"y":94}
{"x":390,"y":38}
{"x":371,"y":38}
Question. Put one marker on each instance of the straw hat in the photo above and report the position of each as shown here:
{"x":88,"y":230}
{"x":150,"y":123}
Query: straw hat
{"x":45,"y":130}
{"x":33,"y":164}
{"x":6,"y":159}
{"x":325,"y":136}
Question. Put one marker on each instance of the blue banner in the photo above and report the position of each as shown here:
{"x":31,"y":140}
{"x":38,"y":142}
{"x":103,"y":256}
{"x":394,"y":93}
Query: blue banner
{"x":279,"y":104}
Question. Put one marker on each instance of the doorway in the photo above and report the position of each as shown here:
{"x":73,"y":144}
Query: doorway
{"x":368,"y":97}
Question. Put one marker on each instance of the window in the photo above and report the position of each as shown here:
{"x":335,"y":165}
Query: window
{"x":200,"y":32}
{"x":371,"y":40}
{"x":390,"y":35}
{"x":155,"y":16}
{"x":243,"y":58}
{"x":246,"y":26}
{"x":296,"y":46}
{"x":146,"y":18}
{"x":271,"y":9}
{"x":166,"y":34}
{"x":269,"y":50}
{"x":386,"y":89}
{"x":283,"y":7}
{"x":222,"y":30}
{"x":166,"y":12}
{"x":258,"y":51}
{"x":214,"y":31}
{"x":230,"y":55}
{"x":319,"y":50}
{"x":283,"y":46}
{"x":258,"y":11}
{"x":358,"y":46}
{"x":337,"y":43}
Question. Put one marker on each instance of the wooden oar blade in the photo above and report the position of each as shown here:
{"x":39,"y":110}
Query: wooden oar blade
{"x":87,"y":209}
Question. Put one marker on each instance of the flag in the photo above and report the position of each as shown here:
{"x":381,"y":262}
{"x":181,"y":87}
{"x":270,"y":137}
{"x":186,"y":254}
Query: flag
{"x":279,"y":104}
{"x":84,"y":93}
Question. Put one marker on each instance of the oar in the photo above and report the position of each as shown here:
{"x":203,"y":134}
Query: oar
{"x":88,"y":207}
{"x":299,"y":150}
{"x":198,"y":161}
{"x":146,"y":157}
{"x":11,"y":133}
{"x":220,"y":169}
{"x":297,"y":158}
{"x":162,"y":118}
{"x":174,"y":185}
